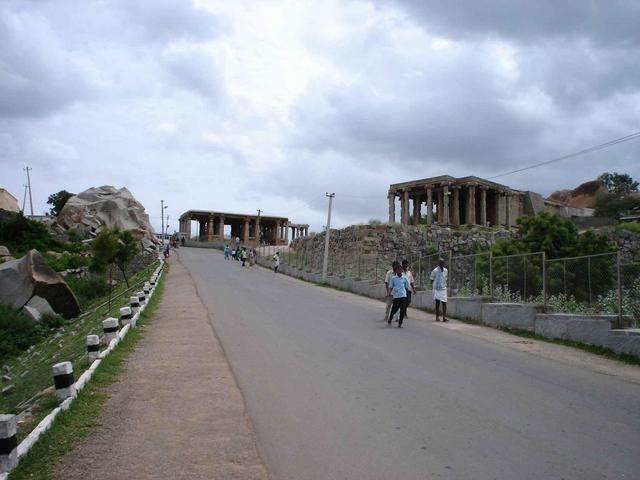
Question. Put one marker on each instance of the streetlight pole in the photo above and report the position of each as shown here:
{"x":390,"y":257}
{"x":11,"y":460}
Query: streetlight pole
{"x":325,"y":260}
{"x":162,"y":207}
{"x":258,"y":228}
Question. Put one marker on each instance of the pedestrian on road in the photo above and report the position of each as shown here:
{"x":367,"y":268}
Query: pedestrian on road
{"x":399,"y":286}
{"x":226,"y":252}
{"x":276,"y":262}
{"x":389,"y":298}
{"x":439,"y":276}
{"x":252,"y":257}
{"x":409,"y":275}
{"x":243,"y":256}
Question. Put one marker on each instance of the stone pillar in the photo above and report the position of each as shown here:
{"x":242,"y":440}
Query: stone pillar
{"x":245,"y":231}
{"x":483,"y":205}
{"x":210,"y":224}
{"x":286,"y":233}
{"x":429,"y":206}
{"x":405,"y":207}
{"x":392,"y":207}
{"x":507,"y":210}
{"x":471,"y":205}
{"x":456,"y":206}
{"x":440,"y":201}
{"x":416,"y":210}
{"x":221,"y":227}
{"x":188,"y":229}
{"x":445,"y":205}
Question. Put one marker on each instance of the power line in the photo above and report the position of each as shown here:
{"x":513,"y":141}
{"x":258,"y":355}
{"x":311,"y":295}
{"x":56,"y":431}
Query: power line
{"x":610,"y":143}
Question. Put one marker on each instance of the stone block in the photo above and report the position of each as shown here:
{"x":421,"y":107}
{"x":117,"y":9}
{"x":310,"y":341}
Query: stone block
{"x":511,"y":315}
{"x":589,"y":329}
{"x":625,"y":341}
{"x":466,"y":308}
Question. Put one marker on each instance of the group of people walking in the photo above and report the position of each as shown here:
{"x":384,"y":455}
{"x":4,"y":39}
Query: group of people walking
{"x":400,"y":286}
{"x":240,"y":254}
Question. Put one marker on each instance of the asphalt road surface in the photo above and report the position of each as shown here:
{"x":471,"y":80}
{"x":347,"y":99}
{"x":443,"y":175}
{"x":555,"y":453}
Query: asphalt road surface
{"x":334,"y":393}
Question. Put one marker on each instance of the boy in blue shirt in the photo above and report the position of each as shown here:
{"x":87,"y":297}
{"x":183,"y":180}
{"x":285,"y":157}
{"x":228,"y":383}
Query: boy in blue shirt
{"x":398,"y":284}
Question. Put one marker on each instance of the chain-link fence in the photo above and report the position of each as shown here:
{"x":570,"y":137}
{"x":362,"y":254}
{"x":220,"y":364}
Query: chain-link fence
{"x":593,"y":284}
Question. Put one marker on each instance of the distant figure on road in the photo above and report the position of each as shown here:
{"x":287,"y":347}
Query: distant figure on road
{"x":252,"y":257}
{"x":276,"y":262}
{"x":399,"y":286}
{"x":243,"y":256}
{"x":409,"y":275}
{"x":166,"y":251}
{"x":389,"y":299}
{"x":226,"y":252}
{"x":439,"y":276}
{"x":182,"y":241}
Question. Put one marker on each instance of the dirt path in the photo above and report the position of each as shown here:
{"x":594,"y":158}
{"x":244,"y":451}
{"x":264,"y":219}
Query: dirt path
{"x":177,"y":411}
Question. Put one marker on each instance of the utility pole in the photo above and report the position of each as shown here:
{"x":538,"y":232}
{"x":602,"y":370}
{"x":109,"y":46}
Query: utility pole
{"x":162,"y":207}
{"x":24,"y":198}
{"x":27,"y":169}
{"x":325,"y":260}
{"x":258,"y":228}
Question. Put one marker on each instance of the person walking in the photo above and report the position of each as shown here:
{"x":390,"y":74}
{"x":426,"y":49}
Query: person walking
{"x":226,"y":252}
{"x":243,"y":256}
{"x":399,"y":286}
{"x":407,"y":273}
{"x":276,"y":262}
{"x":252,"y":257}
{"x":439,"y":276}
{"x":389,"y":298}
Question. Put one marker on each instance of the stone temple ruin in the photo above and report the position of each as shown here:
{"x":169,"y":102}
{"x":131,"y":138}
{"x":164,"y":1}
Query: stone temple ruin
{"x":470,"y":200}
{"x":272,"y":230}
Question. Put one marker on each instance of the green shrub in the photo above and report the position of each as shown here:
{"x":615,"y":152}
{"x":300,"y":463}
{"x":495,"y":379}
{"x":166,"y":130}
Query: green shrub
{"x":21,"y":234}
{"x":17,"y":332}
{"x":633,"y":227}
{"x":67,"y":261}
{"x":88,"y":289}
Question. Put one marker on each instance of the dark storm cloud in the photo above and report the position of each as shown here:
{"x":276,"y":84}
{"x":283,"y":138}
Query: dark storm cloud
{"x":604,"y":22}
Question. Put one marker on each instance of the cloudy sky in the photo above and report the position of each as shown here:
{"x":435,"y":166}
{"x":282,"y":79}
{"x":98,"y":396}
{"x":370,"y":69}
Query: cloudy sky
{"x":239,"y":105}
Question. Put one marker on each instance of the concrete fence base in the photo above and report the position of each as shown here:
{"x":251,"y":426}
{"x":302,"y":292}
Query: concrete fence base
{"x":589,"y":329}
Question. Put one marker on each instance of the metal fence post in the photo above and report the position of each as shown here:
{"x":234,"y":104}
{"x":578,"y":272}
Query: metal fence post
{"x":359,"y":260}
{"x":589,"y":277}
{"x":375,"y":278}
{"x":449,"y":282}
{"x":491,"y":274}
{"x":420,"y":268}
{"x":544,"y":279}
{"x":524,"y":273}
{"x":618,"y":268}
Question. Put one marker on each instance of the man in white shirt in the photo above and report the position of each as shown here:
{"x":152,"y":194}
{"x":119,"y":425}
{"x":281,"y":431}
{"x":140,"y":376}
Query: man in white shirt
{"x":276,"y":262}
{"x":439,"y":276}
{"x":389,"y":297}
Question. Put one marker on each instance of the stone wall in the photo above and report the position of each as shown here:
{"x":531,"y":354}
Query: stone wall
{"x":627,"y":242}
{"x":394,"y":241}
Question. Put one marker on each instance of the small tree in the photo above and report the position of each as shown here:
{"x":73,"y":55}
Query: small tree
{"x":104,"y":248}
{"x":58,"y":200}
{"x":618,"y":184}
{"x":126,"y":250}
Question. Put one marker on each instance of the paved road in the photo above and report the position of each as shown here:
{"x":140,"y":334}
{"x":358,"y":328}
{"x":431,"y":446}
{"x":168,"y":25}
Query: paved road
{"x":336,"y":394}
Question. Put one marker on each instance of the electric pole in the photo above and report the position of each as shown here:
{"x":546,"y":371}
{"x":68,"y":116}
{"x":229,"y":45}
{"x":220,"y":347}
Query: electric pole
{"x":24,"y":198}
{"x":27,"y":169}
{"x":258,"y":228}
{"x":162,"y":207}
{"x":325,"y":261}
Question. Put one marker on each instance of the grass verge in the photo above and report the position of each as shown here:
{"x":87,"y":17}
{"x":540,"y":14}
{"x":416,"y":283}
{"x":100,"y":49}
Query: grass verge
{"x":82,"y":418}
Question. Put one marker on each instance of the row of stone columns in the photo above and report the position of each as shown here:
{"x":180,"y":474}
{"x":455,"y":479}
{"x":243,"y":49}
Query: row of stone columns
{"x":448,"y":210}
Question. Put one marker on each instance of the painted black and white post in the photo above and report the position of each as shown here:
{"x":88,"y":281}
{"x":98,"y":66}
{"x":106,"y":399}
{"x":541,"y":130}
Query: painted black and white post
{"x":125,"y":316}
{"x":134,"y":303}
{"x":142,"y":298}
{"x":110,"y":329}
{"x":93,"y":347}
{"x":8,"y":443}
{"x":146,"y":288}
{"x":63,"y":380}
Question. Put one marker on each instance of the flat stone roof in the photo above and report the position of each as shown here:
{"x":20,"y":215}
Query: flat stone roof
{"x":200,"y":213}
{"x":449,"y":179}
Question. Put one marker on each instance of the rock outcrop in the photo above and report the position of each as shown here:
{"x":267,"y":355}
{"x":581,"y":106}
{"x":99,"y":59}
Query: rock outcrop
{"x":8,"y":202}
{"x":583,"y":196}
{"x":30,"y":276}
{"x":98,"y":207}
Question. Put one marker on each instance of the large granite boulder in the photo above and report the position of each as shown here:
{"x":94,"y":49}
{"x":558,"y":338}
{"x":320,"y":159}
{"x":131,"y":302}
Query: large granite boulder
{"x":583,"y":196}
{"x":88,"y":212}
{"x":30,"y":275}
